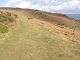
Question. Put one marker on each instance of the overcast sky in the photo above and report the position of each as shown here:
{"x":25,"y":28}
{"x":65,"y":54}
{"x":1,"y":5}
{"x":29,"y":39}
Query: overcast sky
{"x":61,"y":6}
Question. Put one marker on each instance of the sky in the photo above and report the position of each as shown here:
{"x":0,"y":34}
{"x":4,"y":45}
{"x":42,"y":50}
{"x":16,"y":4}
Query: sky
{"x":60,"y":6}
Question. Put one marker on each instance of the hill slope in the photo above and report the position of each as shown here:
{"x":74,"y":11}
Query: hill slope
{"x":36,"y":35}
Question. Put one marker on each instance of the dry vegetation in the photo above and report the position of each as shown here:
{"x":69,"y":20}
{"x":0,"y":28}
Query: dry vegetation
{"x":38,"y":35}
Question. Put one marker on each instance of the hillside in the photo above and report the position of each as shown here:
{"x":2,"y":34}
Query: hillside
{"x":27,"y":34}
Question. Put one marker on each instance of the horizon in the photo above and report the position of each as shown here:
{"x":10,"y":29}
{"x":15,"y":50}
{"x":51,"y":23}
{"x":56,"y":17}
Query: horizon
{"x":71,"y":15}
{"x":58,"y":6}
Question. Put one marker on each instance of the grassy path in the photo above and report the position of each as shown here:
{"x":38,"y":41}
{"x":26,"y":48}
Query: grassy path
{"x":33,"y":42}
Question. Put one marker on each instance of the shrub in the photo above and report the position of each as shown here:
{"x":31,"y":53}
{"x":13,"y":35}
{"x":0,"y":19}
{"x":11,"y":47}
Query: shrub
{"x":3,"y":28}
{"x":7,"y":17}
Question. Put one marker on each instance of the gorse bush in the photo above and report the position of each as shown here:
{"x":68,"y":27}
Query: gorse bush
{"x":5,"y":19}
{"x":3,"y":28}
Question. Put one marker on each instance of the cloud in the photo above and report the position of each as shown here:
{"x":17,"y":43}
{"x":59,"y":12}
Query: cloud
{"x":63,"y":6}
{"x":72,"y":6}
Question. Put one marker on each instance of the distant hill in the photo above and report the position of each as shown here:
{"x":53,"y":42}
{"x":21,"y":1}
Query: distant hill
{"x":75,"y":16}
{"x":28,"y":34}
